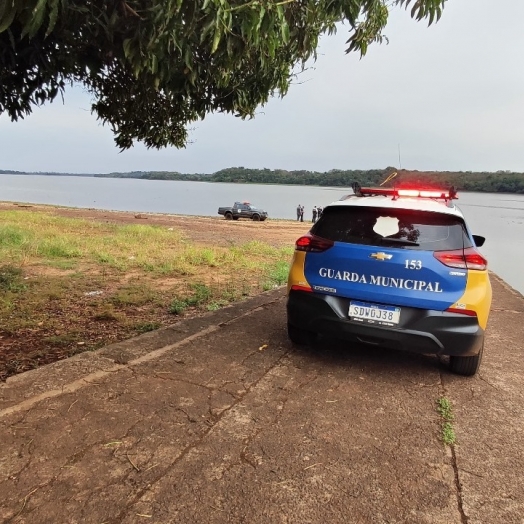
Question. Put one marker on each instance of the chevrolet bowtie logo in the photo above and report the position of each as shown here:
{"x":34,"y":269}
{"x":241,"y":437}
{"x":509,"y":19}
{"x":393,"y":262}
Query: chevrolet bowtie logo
{"x":381,"y":256}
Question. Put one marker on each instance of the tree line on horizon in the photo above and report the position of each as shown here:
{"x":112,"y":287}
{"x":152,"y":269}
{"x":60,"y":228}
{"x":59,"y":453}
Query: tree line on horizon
{"x":491,"y":182}
{"x":500,"y":181}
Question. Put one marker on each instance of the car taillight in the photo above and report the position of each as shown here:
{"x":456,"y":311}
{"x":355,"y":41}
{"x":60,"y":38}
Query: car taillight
{"x":468,"y":312}
{"x":468,"y":258}
{"x":313,"y":244}
{"x":296,"y":287}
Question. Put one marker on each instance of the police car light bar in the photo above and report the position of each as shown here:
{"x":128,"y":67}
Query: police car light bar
{"x":449,"y":194}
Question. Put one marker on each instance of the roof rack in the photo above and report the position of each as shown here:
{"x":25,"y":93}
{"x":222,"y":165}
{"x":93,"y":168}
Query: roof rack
{"x":442,"y":194}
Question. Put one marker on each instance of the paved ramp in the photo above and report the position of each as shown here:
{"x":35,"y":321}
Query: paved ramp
{"x":221,"y":420}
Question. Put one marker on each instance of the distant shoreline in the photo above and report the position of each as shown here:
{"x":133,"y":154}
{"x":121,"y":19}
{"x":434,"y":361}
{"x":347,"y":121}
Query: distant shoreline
{"x":483,"y":182}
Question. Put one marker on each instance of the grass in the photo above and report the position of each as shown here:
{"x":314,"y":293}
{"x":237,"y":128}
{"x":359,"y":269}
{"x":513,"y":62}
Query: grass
{"x":134,"y":295}
{"x":106,"y":282}
{"x":146,"y":327}
{"x":11,"y":279}
{"x":200,"y":295}
{"x":444,"y":409}
{"x":276,"y":275}
{"x":27,"y":238}
{"x":61,"y":340}
{"x":39,"y":236}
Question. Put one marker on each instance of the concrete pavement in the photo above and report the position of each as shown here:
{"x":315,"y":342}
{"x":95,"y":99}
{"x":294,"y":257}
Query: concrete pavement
{"x":221,"y":420}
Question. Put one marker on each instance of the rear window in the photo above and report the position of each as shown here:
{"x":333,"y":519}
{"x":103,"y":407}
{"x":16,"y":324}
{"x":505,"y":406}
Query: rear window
{"x":392,"y":227}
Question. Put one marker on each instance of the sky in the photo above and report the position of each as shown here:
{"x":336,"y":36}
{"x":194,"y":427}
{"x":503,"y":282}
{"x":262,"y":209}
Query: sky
{"x":446,"y":97}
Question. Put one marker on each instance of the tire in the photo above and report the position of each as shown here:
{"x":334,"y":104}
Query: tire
{"x":467,"y":366}
{"x":298,"y":336}
{"x":228,"y":215}
{"x":256,"y":218}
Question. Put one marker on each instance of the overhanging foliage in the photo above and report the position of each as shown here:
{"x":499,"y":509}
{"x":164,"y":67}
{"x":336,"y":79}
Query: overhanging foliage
{"x":153,"y":67}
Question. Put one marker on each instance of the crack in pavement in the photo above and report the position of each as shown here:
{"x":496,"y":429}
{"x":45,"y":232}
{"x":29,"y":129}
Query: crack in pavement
{"x":161,"y":474}
{"x":456,"y":472}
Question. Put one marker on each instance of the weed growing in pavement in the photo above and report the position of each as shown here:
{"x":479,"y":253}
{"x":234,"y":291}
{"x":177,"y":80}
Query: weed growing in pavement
{"x":448,"y":434}
{"x":445,"y":411}
{"x":444,"y":408}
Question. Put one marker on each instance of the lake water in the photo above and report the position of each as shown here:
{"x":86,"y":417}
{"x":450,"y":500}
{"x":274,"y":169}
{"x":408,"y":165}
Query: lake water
{"x":498,"y":217}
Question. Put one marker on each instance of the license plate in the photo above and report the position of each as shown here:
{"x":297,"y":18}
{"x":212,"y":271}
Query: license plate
{"x":374,"y":313}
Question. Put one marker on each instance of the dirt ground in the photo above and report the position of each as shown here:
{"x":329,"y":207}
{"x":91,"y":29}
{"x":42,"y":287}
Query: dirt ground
{"x":203,"y":230}
{"x":80,"y":322}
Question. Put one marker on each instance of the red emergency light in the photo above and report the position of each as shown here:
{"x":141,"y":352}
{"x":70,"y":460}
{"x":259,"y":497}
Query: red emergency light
{"x":444,"y":194}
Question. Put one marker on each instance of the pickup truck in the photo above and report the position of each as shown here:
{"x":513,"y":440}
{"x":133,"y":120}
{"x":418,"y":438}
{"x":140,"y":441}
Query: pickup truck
{"x":242,"y":210}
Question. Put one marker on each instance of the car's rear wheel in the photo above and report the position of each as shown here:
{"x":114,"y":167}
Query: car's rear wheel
{"x":298,"y":336}
{"x":466,"y":366}
{"x":228,"y":216}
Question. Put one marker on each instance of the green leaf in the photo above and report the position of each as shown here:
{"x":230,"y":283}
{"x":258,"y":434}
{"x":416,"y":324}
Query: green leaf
{"x":261,"y":15}
{"x":285,"y":32}
{"x":5,"y":5}
{"x":127,"y":46}
{"x":37,"y":18}
{"x":154,"y":64}
{"x":53,"y":17}
{"x":8,"y":15}
{"x":216,"y":40}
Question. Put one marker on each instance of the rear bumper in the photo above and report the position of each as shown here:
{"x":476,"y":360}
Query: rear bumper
{"x":419,"y":330}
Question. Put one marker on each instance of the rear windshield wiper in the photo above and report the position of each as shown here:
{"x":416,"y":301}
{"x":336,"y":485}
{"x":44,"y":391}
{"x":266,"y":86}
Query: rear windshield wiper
{"x":400,"y":241}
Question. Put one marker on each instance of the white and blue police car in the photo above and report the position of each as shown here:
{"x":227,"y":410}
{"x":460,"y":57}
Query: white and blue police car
{"x":397,"y":268}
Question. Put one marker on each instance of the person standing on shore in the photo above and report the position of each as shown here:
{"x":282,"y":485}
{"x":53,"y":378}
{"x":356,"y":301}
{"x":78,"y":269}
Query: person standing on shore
{"x":299,"y":207}
{"x":319,"y":211}
{"x":314,"y":214}
{"x":301,"y":213}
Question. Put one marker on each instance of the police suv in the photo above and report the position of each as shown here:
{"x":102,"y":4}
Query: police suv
{"x":396,"y":268}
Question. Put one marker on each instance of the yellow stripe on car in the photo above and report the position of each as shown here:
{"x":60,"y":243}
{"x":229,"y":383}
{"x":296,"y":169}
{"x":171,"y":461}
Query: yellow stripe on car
{"x":477,"y":296}
{"x":296,"y":274}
